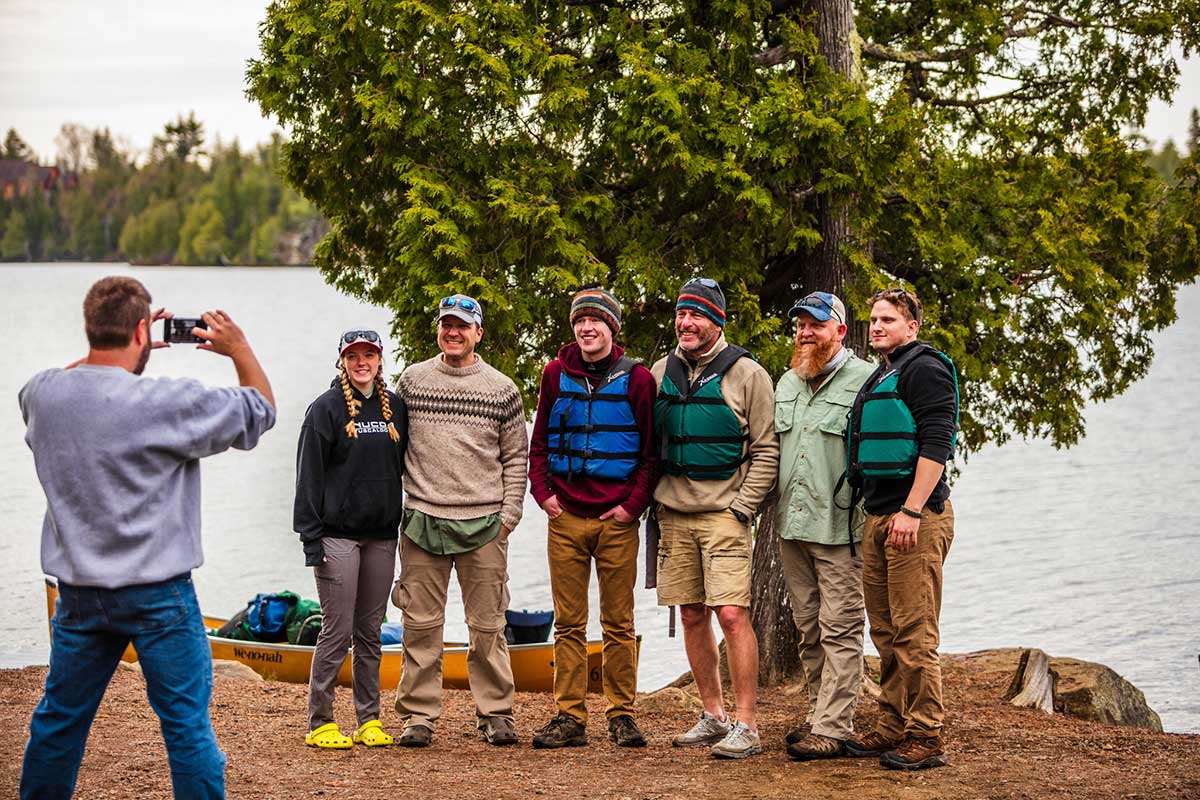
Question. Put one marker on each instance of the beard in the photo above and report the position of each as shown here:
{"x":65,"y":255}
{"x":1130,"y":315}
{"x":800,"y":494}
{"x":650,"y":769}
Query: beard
{"x":810,"y":358}
{"x":142,"y":359}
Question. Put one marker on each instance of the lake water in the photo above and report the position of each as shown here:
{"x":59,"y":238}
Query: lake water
{"x":1090,"y":552}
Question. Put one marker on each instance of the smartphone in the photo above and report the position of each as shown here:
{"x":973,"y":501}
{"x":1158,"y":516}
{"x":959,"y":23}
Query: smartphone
{"x":178,"y":330}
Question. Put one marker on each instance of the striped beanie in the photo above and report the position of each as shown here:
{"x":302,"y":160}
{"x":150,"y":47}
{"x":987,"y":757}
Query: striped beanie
{"x":703,"y":295}
{"x":599,"y":303}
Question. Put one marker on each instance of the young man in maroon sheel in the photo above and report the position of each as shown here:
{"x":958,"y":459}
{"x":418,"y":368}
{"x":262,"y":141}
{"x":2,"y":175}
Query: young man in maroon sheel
{"x":592,"y":465}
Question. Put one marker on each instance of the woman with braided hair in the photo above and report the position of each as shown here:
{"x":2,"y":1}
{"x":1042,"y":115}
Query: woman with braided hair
{"x":349,"y":464}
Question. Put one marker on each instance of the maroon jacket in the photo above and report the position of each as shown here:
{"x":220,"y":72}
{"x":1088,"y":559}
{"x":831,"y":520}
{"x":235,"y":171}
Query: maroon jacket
{"x":584,"y":496}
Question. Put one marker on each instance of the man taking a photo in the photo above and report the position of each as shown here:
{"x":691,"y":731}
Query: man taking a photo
{"x":118,"y":455}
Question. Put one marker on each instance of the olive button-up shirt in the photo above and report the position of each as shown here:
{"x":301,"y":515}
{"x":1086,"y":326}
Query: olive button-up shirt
{"x":812,"y":442}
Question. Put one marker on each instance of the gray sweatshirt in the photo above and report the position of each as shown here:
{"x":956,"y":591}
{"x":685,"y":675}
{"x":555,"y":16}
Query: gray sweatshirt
{"x":118,"y":456}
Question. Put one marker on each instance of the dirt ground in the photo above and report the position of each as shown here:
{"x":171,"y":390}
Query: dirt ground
{"x":995,"y":750}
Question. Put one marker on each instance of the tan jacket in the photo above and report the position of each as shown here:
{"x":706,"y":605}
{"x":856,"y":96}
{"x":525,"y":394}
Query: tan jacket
{"x":747,"y":390}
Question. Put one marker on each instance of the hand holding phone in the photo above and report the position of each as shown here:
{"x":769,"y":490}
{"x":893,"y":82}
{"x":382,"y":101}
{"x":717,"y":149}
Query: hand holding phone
{"x":178,"y":330}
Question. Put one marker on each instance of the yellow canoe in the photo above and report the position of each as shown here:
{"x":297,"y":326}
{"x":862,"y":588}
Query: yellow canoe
{"x":532,"y":664}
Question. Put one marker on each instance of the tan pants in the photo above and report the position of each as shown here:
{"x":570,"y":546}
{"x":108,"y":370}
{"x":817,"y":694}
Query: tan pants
{"x":825,"y":584}
{"x":903,"y":593}
{"x":703,"y":558}
{"x":573,"y":543}
{"x":421,"y":595}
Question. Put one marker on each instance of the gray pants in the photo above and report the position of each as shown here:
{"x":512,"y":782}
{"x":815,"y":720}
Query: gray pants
{"x":353,"y":585}
{"x":825,"y":584}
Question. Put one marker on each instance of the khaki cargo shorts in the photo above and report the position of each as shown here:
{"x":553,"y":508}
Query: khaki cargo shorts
{"x":703,"y":558}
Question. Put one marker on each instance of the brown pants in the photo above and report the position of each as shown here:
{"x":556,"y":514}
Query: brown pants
{"x":572,"y":545}
{"x":825,"y":584}
{"x":903,"y":593}
{"x":421,"y":595}
{"x":352,"y":585}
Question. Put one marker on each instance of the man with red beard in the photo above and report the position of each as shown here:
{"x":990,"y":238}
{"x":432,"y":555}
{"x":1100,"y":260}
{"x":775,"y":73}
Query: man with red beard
{"x":816,"y":532}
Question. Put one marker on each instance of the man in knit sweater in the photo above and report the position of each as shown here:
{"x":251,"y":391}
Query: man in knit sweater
{"x":592,"y":464}
{"x":715,"y":414}
{"x":465,"y":481}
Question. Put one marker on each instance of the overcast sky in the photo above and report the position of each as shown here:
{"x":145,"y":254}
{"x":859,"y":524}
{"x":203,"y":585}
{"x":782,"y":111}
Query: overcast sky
{"x":133,"y":65}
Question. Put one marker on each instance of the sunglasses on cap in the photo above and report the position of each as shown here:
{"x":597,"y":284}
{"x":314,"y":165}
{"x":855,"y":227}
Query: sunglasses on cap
{"x":817,"y":302}
{"x":896,"y":293}
{"x":707,"y":283}
{"x":350,"y":337}
{"x":463,"y":303}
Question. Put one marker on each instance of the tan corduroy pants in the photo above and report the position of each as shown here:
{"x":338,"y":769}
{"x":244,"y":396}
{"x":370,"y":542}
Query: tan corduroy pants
{"x":421,"y":595}
{"x":903,"y":593}
{"x":825,"y":584}
{"x":573,"y":543}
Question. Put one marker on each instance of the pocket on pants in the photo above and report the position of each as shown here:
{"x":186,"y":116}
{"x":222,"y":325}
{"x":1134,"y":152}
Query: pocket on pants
{"x":400,"y":596}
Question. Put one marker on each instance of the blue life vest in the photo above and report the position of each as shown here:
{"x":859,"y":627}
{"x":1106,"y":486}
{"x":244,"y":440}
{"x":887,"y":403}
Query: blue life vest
{"x":592,"y":432}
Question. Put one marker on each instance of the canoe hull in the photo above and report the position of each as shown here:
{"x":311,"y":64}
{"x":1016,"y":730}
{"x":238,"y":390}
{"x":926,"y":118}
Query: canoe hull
{"x":532,"y":664}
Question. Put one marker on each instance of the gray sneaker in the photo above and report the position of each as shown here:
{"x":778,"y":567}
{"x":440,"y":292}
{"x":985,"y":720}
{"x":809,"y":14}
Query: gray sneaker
{"x":708,"y":730}
{"x":738,"y":743}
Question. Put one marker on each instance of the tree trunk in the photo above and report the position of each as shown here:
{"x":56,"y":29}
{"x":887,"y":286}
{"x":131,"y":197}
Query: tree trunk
{"x":827,"y":269}
{"x":771,"y":605}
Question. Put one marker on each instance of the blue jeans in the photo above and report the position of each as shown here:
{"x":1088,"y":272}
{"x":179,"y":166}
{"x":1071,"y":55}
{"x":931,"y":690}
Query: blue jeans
{"x":91,"y":628}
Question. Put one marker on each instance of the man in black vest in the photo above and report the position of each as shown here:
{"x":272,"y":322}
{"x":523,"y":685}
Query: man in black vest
{"x":908,"y":529}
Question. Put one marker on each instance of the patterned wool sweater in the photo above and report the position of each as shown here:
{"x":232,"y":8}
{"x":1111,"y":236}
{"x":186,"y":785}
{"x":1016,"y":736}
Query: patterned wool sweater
{"x":467,"y":444}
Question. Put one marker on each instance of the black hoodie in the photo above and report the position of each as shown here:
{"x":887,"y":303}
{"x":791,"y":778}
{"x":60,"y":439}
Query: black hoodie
{"x":348,"y":488}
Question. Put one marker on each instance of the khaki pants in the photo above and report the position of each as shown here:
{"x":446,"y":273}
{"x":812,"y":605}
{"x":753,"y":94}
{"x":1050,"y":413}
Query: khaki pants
{"x":352,"y":585}
{"x":574,"y":542}
{"x":825,"y":584}
{"x":421,"y":595}
{"x":903,"y":593}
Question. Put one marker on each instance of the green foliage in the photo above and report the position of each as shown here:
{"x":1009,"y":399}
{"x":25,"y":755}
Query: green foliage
{"x":202,"y":237}
{"x":14,"y":244}
{"x":152,"y":235}
{"x":15,"y":147}
{"x":517,"y":151}
{"x":186,"y":204}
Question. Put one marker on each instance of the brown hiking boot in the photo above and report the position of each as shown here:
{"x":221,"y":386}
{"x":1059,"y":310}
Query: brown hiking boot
{"x":917,"y":752}
{"x":872,"y":745}
{"x":815,"y":746}
{"x":798,"y":733}
{"x":562,"y":731}
{"x":625,"y":732}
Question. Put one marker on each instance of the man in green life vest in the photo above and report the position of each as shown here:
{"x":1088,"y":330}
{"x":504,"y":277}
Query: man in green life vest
{"x":816,"y":518}
{"x":901,"y":433}
{"x":714,"y":418}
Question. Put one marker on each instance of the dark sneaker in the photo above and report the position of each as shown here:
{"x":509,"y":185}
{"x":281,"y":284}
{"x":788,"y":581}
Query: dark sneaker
{"x":873,"y":745}
{"x":917,"y":752}
{"x":625,"y":732}
{"x":498,"y":731}
{"x":708,"y":731}
{"x":416,"y":736}
{"x":815,"y":746}
{"x":562,"y":731}
{"x":798,"y":733}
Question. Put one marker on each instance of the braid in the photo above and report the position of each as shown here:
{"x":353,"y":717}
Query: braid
{"x":386,"y":404}
{"x":352,"y":405}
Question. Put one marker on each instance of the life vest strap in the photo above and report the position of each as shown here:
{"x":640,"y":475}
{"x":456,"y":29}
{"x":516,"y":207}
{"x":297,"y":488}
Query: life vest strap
{"x":594,"y":428}
{"x":688,"y":439}
{"x":887,"y":435}
{"x":589,"y":455}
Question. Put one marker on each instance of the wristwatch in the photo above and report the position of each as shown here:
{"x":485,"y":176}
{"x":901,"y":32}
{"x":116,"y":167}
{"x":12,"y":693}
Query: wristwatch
{"x":741,"y":517}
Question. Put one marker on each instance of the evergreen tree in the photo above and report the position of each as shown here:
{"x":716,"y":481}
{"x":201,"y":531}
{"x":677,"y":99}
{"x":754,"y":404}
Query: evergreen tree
{"x":14,"y":244}
{"x":15,"y":147}
{"x":973,"y":151}
{"x":1193,"y":142}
